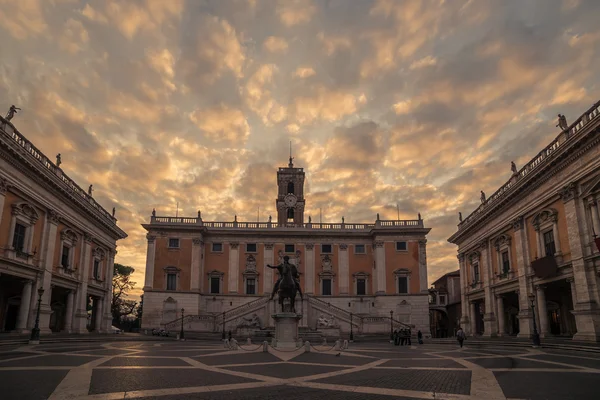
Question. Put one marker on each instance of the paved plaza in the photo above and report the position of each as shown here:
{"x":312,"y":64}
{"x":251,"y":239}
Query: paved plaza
{"x":198,"y":370}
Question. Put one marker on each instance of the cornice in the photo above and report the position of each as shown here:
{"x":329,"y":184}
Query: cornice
{"x":531,"y":182}
{"x":56,"y":186}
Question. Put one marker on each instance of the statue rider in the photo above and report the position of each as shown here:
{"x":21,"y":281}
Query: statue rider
{"x":279,"y":268}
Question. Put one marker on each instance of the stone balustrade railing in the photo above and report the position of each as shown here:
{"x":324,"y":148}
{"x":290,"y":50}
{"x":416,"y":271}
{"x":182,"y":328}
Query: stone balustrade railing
{"x":11,"y":132}
{"x":239,"y":311}
{"x":592,"y":115}
{"x":335,"y":311}
{"x":417,"y":223}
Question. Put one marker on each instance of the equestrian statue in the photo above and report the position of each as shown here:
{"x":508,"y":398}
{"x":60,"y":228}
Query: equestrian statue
{"x":287,"y":284}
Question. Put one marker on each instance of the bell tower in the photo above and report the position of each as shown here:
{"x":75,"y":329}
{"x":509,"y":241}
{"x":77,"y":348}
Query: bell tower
{"x":290,"y":194}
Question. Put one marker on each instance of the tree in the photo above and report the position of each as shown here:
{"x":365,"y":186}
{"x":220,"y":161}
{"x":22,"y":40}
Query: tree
{"x":122,"y":284}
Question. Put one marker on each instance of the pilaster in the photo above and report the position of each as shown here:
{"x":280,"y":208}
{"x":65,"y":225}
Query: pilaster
{"x":234,"y":267}
{"x":378,"y":245}
{"x":423,"y":266}
{"x":464,"y":307}
{"x":268,"y":272}
{"x":4,"y":186}
{"x":52,"y":218}
{"x":195,"y":280}
{"x":110,"y":266}
{"x":586,"y":310}
{"x":150,"y":253}
{"x":80,"y":320}
{"x":489,"y":318}
{"x":309,"y":278}
{"x":522,"y":256}
{"x":344,"y":269}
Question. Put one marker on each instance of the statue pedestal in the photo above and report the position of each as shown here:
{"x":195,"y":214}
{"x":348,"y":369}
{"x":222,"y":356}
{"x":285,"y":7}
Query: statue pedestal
{"x":286,"y":330}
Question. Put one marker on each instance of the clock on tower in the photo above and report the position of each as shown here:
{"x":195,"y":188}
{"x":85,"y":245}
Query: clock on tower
{"x":290,"y":195}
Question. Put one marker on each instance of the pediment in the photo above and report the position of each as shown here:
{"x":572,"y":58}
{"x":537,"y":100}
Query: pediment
{"x":592,"y":186}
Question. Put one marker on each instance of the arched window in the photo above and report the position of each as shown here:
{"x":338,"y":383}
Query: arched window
{"x":290,"y":214}
{"x":290,"y":187}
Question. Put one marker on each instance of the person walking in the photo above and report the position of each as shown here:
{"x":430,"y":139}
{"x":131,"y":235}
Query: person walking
{"x":408,"y":337}
{"x":420,"y":337}
{"x":396,"y":338}
{"x":460,"y":336}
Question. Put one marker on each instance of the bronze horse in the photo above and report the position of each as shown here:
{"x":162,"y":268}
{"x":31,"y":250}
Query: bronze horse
{"x":287,"y":287}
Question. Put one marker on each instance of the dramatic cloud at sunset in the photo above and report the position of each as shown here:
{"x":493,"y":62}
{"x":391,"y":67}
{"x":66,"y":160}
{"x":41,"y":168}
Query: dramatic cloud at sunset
{"x":419,"y":104}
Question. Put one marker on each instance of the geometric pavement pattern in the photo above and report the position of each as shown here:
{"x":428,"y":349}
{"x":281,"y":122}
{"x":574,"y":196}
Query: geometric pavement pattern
{"x":189,"y":370}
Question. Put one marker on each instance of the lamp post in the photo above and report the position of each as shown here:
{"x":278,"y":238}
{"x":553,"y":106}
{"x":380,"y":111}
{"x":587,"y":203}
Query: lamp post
{"x":536,"y":335}
{"x":181,"y":333}
{"x":35,"y":332}
{"x":391,"y":326}
{"x":351,"y":331}
{"x":223,"y":333}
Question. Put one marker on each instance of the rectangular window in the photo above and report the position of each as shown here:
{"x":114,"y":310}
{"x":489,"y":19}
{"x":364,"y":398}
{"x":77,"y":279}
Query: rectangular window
{"x":326,"y":287}
{"x":171,"y":281}
{"x":505,"y":262}
{"x":19,"y":237}
{"x":251,"y":286}
{"x":217,"y":247}
{"x":215,"y":283}
{"x":326,"y":248}
{"x":359,"y":249}
{"x":549,"y":246}
{"x":290,"y":248}
{"x":65,"y":257}
{"x":401,"y":246}
{"x":250,"y":247}
{"x":173,"y":243}
{"x":475,"y":273}
{"x":96,"y":269}
{"x":402,"y":284}
{"x":361,"y":287}
{"x":442,"y":300}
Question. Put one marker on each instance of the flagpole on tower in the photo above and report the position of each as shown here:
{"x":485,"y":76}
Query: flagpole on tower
{"x":177,"y":210}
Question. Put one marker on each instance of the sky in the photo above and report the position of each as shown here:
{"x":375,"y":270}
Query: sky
{"x":411,"y":104}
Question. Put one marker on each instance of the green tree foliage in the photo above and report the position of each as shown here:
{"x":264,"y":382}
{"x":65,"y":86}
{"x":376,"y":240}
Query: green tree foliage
{"x":122,"y":284}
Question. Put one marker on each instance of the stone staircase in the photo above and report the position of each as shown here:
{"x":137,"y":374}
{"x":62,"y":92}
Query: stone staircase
{"x":337,"y":312}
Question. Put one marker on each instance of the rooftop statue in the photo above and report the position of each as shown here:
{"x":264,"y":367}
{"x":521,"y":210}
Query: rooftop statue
{"x":11,"y":112}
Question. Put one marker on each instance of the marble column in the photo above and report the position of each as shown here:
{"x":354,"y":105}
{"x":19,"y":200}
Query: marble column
{"x":344,"y":269}
{"x":24,"y":307}
{"x":538,"y":238}
{"x":150,"y":253}
{"x":98,"y":305}
{"x":593,"y":204}
{"x":195,"y":281}
{"x":586,"y":309}
{"x":473,"y":319}
{"x":380,"y":266}
{"x":501,"y":316}
{"x":234,"y":267}
{"x":268,"y":272}
{"x":542,"y":310}
{"x":423,"y":288}
{"x":69,"y":312}
{"x":309,"y":278}
{"x":558,"y":250}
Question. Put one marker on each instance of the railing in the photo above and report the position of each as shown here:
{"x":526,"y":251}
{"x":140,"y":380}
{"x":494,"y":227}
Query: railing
{"x":20,"y":140}
{"x":588,"y":117}
{"x":385,"y":320}
{"x":418,"y":223}
{"x":236,"y":312}
{"x":175,"y":324}
{"x":336,"y":311}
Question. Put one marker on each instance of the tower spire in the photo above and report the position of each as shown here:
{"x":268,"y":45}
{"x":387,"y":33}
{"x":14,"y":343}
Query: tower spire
{"x":291,"y":164}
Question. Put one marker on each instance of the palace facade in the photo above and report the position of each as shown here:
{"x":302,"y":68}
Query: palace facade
{"x":534,"y":242}
{"x":53,"y":237}
{"x":365,"y":274}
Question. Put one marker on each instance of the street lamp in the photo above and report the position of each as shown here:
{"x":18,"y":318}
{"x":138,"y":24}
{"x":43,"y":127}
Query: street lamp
{"x":351,"y":332}
{"x":536,"y":335}
{"x":391,"y":325}
{"x":35,"y":332}
{"x":223,"y":333}
{"x":181,"y":333}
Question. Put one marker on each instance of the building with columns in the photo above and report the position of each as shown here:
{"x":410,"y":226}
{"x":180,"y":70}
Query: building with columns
{"x":359,"y":273}
{"x":533,"y":240}
{"x":54,"y":236}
